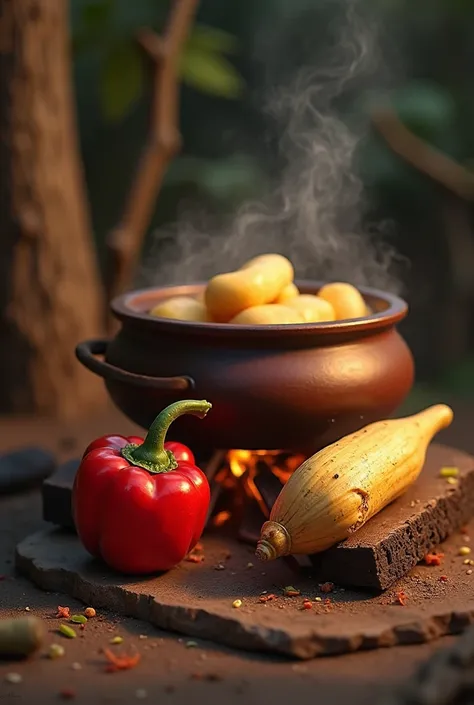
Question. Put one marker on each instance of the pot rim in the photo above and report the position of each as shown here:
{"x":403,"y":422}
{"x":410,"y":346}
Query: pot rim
{"x":122,"y":308}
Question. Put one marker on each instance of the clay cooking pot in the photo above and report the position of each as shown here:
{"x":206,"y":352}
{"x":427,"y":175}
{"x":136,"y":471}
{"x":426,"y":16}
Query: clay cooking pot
{"x":293,"y":387}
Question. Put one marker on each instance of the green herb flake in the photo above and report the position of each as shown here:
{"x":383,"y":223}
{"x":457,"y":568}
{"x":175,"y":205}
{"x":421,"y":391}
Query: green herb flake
{"x":79,"y":619}
{"x":67,"y":631}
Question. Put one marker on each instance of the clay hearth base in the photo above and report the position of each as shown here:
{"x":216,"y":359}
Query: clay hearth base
{"x":196,"y":599}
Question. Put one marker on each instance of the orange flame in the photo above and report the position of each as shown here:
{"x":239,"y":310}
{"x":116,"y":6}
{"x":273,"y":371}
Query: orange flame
{"x":244,"y":464}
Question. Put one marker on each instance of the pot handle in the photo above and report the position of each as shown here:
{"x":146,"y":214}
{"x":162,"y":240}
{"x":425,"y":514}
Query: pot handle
{"x":87,"y":352}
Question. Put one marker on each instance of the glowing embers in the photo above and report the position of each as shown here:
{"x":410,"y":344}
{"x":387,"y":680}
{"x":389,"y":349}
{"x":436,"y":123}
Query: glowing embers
{"x":245,"y":486}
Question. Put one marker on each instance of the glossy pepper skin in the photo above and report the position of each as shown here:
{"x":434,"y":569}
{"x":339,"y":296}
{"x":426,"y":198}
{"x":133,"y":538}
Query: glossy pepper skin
{"x":141,"y":505}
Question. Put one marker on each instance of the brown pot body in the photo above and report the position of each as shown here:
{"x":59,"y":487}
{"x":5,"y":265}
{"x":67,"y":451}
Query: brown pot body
{"x":297,"y":387}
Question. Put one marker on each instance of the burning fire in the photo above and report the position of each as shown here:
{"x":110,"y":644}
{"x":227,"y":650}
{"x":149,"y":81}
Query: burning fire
{"x":282,"y":464}
{"x":246,"y":485}
{"x":245,"y":464}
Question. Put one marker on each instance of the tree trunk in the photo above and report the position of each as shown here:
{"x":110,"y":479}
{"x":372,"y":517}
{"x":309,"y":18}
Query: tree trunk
{"x":50,"y":295}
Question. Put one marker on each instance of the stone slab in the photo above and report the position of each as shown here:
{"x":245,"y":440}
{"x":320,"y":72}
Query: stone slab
{"x":196,"y":599}
{"x":396,"y":539}
{"x":56,"y":495}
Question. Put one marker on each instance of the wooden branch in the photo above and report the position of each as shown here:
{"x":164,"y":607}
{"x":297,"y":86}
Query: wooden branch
{"x":428,"y":160}
{"x":163,"y":143}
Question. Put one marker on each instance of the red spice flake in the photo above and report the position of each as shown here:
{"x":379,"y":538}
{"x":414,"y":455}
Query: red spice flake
{"x":443,"y":578}
{"x":290,"y":591}
{"x":267,"y":598}
{"x":326,"y":587}
{"x":63,"y":612}
{"x":433,"y":558}
{"x":120,"y":663}
{"x":307,"y":605}
{"x":67,"y":694}
{"x":401,"y":598}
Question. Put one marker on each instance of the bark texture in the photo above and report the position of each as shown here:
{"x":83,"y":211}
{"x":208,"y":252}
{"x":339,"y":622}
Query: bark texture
{"x":50,"y":295}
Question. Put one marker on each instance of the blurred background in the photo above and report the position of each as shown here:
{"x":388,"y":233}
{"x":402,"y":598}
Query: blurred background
{"x":411,"y":106}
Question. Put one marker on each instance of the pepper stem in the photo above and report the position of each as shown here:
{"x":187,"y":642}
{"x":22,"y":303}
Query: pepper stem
{"x":152,"y":454}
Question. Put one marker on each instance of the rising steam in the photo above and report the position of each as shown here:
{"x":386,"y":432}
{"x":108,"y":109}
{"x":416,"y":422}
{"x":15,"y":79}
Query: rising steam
{"x":314,"y":213}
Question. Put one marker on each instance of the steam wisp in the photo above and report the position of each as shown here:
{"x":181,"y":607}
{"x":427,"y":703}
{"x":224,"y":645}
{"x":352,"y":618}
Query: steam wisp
{"x":314,"y":214}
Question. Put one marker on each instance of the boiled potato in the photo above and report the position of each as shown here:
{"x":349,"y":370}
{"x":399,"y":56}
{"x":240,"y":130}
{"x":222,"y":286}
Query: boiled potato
{"x":312,"y":308}
{"x":181,"y":308}
{"x":345,"y":299}
{"x":268,"y":314}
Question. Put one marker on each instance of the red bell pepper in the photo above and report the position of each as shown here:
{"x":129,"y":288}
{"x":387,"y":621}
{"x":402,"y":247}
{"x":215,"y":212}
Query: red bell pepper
{"x":141,"y":505}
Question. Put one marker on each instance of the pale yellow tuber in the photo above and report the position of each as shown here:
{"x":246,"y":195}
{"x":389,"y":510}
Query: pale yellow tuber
{"x":336,"y":491}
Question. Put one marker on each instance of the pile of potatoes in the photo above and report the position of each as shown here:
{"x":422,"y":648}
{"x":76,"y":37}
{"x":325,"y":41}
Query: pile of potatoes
{"x":262,"y":292}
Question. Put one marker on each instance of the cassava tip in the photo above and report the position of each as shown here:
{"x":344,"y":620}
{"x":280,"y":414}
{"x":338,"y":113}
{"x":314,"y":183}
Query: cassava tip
{"x":274,"y":542}
{"x":436,"y":417}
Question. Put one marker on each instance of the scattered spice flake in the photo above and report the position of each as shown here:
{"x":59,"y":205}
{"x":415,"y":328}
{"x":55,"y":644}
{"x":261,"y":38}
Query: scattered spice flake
{"x":63,"y":612}
{"x":449,"y":471}
{"x":307,"y":605}
{"x":290,"y":591}
{"x":267,"y":598}
{"x":464,"y":551}
{"x":219,"y":566}
{"x":468,"y":561}
{"x":27,"y":609}
{"x":67,"y":631}
{"x":79,"y":619}
{"x":191,"y":644}
{"x":401,"y":598}
{"x":90,"y":612}
{"x":433,"y":558}
{"x":249,"y":565}
{"x":237,"y":603}
{"x":326,"y":587}
{"x":452,"y":480}
{"x":443,"y":578}
{"x":56,"y":651}
{"x":117,"y":640}
{"x":120,"y":663}
{"x":67,"y":694}
{"x":194,"y":558}
{"x":318,"y":599}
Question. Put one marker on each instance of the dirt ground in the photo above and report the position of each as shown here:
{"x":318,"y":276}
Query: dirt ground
{"x":171,"y":669}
